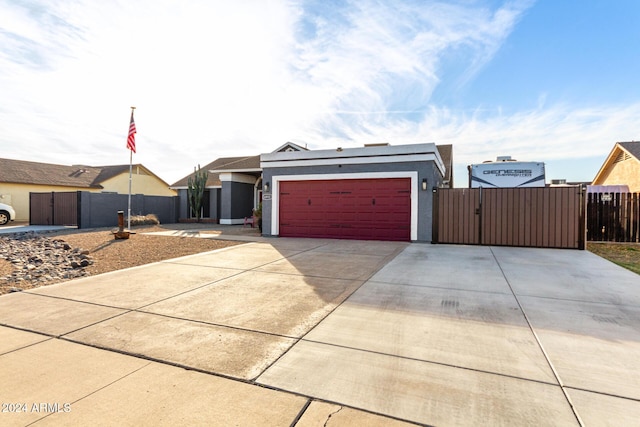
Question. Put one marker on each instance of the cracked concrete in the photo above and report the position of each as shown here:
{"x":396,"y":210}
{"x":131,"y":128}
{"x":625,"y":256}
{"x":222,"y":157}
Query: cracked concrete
{"x":326,"y":423}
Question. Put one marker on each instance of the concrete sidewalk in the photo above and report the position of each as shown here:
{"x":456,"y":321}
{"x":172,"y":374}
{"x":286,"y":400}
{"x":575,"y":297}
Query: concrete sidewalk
{"x":327,"y":332}
{"x":26,"y":228}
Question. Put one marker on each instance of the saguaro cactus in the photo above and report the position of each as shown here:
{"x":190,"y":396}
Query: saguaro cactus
{"x":195,"y":191}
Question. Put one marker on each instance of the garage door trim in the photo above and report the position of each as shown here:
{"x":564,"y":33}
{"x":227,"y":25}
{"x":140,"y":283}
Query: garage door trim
{"x":276,"y":180}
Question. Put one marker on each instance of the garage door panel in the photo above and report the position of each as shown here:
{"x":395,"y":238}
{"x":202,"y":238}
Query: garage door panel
{"x":373,"y":209}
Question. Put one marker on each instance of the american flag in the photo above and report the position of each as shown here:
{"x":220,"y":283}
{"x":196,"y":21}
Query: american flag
{"x":131,"y":139}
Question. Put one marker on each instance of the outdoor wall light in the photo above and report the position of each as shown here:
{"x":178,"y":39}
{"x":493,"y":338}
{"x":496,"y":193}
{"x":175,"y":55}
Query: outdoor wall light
{"x":424,"y":184}
{"x":266,"y":187}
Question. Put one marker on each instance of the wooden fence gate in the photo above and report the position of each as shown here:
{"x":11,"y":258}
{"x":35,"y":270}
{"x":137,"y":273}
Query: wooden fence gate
{"x":53,"y":208}
{"x":613,"y":217}
{"x":549,"y":217}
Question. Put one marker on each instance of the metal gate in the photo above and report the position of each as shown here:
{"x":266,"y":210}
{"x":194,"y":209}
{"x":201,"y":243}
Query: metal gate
{"x":53,"y":208}
{"x":549,"y":217}
{"x":613,"y":217}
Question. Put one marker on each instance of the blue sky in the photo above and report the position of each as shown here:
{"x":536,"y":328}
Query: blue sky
{"x":552,"y":81}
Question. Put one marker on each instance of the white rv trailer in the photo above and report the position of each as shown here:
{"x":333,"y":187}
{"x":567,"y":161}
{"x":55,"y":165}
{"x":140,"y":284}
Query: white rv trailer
{"x":506,"y":173}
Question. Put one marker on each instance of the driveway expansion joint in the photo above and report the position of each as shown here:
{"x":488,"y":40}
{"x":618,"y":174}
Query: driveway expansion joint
{"x":219,"y":325}
{"x":301,"y":412}
{"x":432,"y":362}
{"x":537,"y":338}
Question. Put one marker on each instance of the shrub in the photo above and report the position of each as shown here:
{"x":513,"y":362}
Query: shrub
{"x":149,"y":219}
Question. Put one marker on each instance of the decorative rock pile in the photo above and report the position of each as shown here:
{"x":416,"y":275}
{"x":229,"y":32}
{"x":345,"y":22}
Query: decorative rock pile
{"x":42,"y":260}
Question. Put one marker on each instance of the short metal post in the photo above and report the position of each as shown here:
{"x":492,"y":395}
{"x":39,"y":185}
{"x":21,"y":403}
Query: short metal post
{"x":120,"y":221}
{"x":121,"y":233}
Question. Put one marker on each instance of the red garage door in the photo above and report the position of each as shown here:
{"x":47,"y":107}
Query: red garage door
{"x":367,"y":209}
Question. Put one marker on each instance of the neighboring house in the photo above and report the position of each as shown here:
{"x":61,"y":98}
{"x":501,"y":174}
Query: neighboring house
{"x":18,"y":178}
{"x":622,"y":167}
{"x":446,"y":154}
{"x":378,"y":192}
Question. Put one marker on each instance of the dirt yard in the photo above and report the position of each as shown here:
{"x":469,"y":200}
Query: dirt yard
{"x":111,"y":254}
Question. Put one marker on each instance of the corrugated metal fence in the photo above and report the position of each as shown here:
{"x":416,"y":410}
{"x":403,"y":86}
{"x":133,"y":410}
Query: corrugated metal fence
{"x":550,"y":217}
{"x":613,"y":217}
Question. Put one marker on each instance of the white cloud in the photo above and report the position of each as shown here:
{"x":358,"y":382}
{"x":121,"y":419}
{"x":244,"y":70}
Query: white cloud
{"x":380,"y":57}
{"x":225,"y":78}
{"x":553,"y":133}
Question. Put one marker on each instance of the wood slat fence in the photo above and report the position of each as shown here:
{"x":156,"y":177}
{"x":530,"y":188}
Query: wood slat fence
{"x":53,"y":208}
{"x":550,"y":217}
{"x":613,"y":217}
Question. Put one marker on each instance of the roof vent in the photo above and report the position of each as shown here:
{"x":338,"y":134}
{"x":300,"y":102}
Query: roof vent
{"x":504,"y":159}
{"x":621,"y":157}
{"x":378,"y":144}
{"x":78,"y":172}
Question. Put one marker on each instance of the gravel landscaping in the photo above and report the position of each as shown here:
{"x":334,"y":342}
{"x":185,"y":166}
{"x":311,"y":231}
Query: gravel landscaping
{"x":30,"y":260}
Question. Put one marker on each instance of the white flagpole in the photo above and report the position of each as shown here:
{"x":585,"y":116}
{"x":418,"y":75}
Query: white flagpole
{"x":130,"y":169}
{"x":129,"y":205}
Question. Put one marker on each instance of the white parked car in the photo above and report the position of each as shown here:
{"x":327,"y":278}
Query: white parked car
{"x":7,"y":213}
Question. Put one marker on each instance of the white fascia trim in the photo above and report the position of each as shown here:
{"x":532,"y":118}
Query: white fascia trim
{"x":357,"y":161}
{"x":381,"y":154}
{"x":233,"y":221}
{"x":186,"y":187}
{"x":275,"y":192}
{"x":234,"y":170}
{"x":238,"y":177}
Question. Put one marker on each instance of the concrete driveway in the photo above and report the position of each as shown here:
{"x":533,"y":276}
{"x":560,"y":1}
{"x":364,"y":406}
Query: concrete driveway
{"x":327,"y":332}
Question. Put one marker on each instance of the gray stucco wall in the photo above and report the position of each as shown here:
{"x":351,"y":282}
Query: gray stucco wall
{"x":426,"y":170}
{"x":236,"y":200}
{"x":214,"y":200}
{"x":214,"y":203}
{"x":184,"y":204}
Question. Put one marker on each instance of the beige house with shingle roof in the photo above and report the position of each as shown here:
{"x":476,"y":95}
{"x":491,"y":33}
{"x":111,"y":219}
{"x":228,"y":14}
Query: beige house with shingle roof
{"x":18,"y":178}
{"x":622,"y":167}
